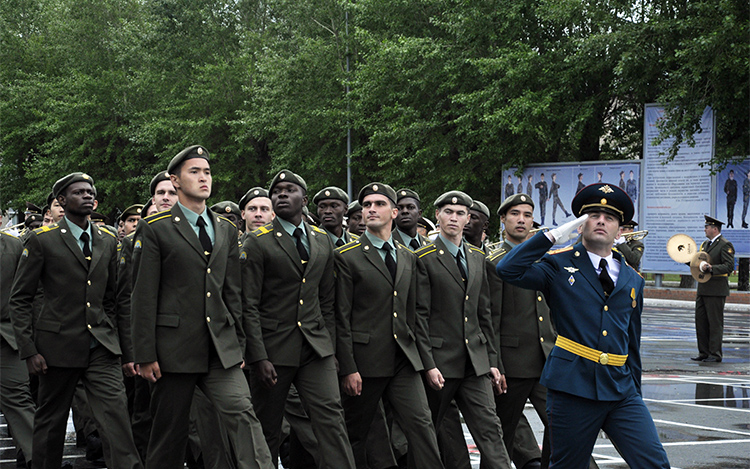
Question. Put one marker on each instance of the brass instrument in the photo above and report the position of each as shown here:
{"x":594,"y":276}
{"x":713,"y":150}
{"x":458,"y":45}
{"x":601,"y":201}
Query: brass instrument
{"x":635,"y":235}
{"x":8,"y":229}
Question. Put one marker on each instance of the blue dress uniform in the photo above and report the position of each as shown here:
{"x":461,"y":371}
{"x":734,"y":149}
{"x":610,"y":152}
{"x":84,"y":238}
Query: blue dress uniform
{"x":593,"y":373}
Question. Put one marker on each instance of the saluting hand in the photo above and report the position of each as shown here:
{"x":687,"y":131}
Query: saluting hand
{"x":36,"y":364}
{"x":567,"y":232}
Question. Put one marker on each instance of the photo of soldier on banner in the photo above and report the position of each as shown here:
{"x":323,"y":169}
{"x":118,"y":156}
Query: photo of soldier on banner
{"x":733,"y":204}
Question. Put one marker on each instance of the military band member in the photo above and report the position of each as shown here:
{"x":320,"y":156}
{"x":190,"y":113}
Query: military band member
{"x":476,"y":229}
{"x":256,"y":209}
{"x":355,"y":224}
{"x":186,"y":310}
{"x":632,"y":250}
{"x":288,"y":300}
{"x":462,"y":361}
{"x":523,"y":330}
{"x":76,"y":336}
{"x":409,"y":213}
{"x":332,"y":204}
{"x":593,"y":374}
{"x":709,"y":304}
{"x":379,"y":336}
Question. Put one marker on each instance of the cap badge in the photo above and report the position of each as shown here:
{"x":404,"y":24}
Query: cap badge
{"x":85,"y":176}
{"x":282,"y":176}
{"x":523,"y":198}
{"x":227,"y":209}
{"x":328,"y":192}
{"x":138,"y":210}
{"x":200,"y":150}
{"x":454,"y":200}
{"x":375,"y":187}
{"x":603,"y":201}
{"x":606,"y":189}
{"x":403,"y":192}
{"x":256,"y":192}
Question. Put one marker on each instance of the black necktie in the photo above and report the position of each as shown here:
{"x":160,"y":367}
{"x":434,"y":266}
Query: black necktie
{"x":339,"y":242}
{"x":86,"y":246}
{"x":605,"y":279}
{"x":203,"y":236}
{"x":390,"y":263}
{"x":708,"y":245}
{"x":301,"y":247}
{"x":461,"y":265}
{"x":414,"y":244}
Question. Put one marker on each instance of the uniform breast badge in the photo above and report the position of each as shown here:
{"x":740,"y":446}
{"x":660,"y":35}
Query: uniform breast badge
{"x":571,"y":279}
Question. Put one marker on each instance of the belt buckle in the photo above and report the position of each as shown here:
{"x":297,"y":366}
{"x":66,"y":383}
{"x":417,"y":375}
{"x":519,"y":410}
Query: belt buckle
{"x":603,"y":358}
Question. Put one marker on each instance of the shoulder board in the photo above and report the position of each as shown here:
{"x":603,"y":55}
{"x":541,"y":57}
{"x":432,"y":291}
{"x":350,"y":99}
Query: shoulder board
{"x":423,"y":251}
{"x":401,"y":246}
{"x":46,"y":229}
{"x":348,"y":246}
{"x":614,"y":248}
{"x":9,"y":235}
{"x":112,"y":235}
{"x":354,"y":236}
{"x":157,"y":216}
{"x":227,"y":219}
{"x":495,"y":254}
{"x":474,"y":248}
{"x":558,"y":251}
{"x":265,"y":229}
{"x":315,"y":228}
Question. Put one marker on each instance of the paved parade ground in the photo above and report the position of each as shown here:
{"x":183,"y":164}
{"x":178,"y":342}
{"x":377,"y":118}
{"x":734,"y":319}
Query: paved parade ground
{"x":702,"y":411}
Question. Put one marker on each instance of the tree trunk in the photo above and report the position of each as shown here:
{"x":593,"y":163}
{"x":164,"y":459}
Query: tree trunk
{"x":743,"y":272}
{"x":687,"y":281}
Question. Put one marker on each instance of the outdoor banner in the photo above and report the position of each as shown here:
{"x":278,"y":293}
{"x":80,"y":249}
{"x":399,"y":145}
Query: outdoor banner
{"x":677,"y":194}
{"x":733,"y":204}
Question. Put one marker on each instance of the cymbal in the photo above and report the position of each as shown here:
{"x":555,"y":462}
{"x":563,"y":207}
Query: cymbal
{"x":681,"y":248}
{"x":695,"y":270}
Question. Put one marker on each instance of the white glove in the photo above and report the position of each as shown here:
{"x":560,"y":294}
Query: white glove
{"x":620,"y":240}
{"x":705,"y":266}
{"x":563,"y":234}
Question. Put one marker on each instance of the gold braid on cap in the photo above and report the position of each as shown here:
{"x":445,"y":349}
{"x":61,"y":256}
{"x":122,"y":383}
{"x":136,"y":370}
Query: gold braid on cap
{"x":609,"y":207}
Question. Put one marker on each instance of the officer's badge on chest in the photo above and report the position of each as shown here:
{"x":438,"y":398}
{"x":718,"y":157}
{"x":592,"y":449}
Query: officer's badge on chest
{"x":571,"y":279}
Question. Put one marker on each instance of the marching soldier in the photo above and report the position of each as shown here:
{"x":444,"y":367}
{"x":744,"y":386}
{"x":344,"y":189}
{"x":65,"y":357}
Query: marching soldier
{"x":256,"y":209}
{"x":332,"y":204}
{"x":475,"y":229}
{"x":355,"y":224}
{"x":409,"y":213}
{"x":130,"y":218}
{"x":163,"y":193}
{"x":230,"y":211}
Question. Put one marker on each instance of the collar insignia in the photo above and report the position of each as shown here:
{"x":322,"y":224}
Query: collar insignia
{"x":572,"y":270}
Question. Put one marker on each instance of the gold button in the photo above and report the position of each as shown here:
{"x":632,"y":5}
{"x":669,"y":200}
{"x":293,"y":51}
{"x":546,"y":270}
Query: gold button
{"x":208,"y":295}
{"x":541,"y":319}
{"x":466,"y":319}
{"x":208,"y":270}
{"x":301,"y":302}
{"x":206,"y":253}
{"x":177,"y":219}
{"x":395,"y":293}
{"x":541,"y":339}
{"x":299,"y":323}
{"x":604,"y":359}
{"x":606,"y":308}
{"x":88,"y":305}
{"x":304,"y":280}
{"x":467,"y":297}
{"x":89,"y":326}
{"x":208,"y":319}
{"x":538,"y":298}
{"x":395,"y":336}
{"x":395,"y":314}
{"x":604,"y":333}
{"x":467,"y":341}
{"x":88,"y":282}
{"x":278,"y":234}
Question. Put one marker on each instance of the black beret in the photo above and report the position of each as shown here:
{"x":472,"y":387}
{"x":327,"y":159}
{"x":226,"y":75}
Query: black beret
{"x":513,"y":200}
{"x":481,"y":208}
{"x":455,"y":198}
{"x":147,"y":206}
{"x":226,"y":206}
{"x":402,"y":193}
{"x":32,"y":217}
{"x":377,"y":188}
{"x":195,"y":151}
{"x":71,"y":178}
{"x":287,"y":176}
{"x":609,"y":198}
{"x":713,"y":221}
{"x":161,"y":176}
{"x":251,"y":194}
{"x":331,"y":192}
{"x":353,"y":207}
{"x":134,"y":209}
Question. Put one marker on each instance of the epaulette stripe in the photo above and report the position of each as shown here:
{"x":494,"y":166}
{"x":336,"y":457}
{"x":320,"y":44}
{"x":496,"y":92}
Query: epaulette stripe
{"x":427,"y":252}
{"x":45,"y":229}
{"x":472,"y":248}
{"x":263,"y":230}
{"x":154,"y":215}
{"x":315,"y":228}
{"x":348,"y":247}
{"x":227,"y":219}
{"x":423,"y":248}
{"x":8,"y":234}
{"x":109,"y":233}
{"x":558,"y":251}
{"x":159,"y":218}
{"x":495,"y":255}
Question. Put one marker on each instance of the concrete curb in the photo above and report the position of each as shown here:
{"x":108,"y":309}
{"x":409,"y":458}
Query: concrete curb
{"x":659,"y":303}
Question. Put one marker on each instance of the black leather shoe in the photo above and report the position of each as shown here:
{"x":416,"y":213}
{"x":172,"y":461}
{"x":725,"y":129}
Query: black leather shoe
{"x":699,"y":358}
{"x":712,"y":360}
{"x":533,"y":464}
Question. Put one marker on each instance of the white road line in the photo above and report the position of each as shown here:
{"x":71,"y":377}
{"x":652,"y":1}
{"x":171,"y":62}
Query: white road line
{"x":735,"y":382}
{"x":700,"y":427}
{"x":686,"y":404}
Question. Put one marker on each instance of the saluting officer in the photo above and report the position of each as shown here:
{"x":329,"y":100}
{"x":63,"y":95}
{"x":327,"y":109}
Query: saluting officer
{"x":186,"y":310}
{"x":593,"y":374}
{"x":76,"y":335}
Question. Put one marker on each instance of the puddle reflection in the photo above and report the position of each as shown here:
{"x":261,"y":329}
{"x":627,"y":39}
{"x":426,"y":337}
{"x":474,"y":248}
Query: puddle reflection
{"x":722,"y":395}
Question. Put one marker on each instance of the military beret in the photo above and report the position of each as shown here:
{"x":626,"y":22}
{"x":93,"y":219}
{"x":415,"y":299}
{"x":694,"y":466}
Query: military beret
{"x":71,"y":178}
{"x":377,"y":188}
{"x":481,"y":208}
{"x":50,"y":198}
{"x":713,"y":221}
{"x":134,"y":209}
{"x":455,"y":198}
{"x":195,"y":151}
{"x":147,"y":206}
{"x":331,"y":192}
{"x":402,"y":193}
{"x":32,"y":217}
{"x":513,"y":200}
{"x":226,"y":206}
{"x":353,"y":208}
{"x":603,"y":197}
{"x":287,"y":176}
{"x":97,"y":216}
{"x":161,"y":176}
{"x":251,"y":194}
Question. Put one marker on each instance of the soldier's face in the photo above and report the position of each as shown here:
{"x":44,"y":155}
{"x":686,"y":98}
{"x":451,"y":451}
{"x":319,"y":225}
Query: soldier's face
{"x":408,"y":213}
{"x":518,"y":220}
{"x":331,"y":213}
{"x":56,"y":211}
{"x":232,"y":217}
{"x":601,"y":229}
{"x":711,"y":231}
{"x":165,"y":196}
{"x":378,"y":212}
{"x":194,"y":179}
{"x":152,"y":209}
{"x":258,"y":212}
{"x":131,"y":223}
{"x":288,"y":199}
{"x":356,"y":223}
{"x":477,"y":224}
{"x":78,"y":199}
{"x":47,"y":218}
{"x":452,"y":218}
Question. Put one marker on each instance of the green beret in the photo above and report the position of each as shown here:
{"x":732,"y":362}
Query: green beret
{"x":161,"y":176}
{"x":50,"y":198}
{"x":71,"y":178}
{"x":604,"y":197}
{"x":481,"y":208}
{"x":401,"y":193}
{"x":226,"y":206}
{"x":147,"y":206}
{"x":195,"y":151}
{"x":134,"y":209}
{"x":353,"y":208}
{"x":331,"y":192}
{"x":287,"y":176}
{"x":377,"y":188}
{"x":455,"y":198}
{"x":512,"y":201}
{"x":251,"y":194}
{"x":713,"y":221}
